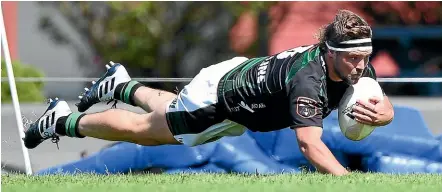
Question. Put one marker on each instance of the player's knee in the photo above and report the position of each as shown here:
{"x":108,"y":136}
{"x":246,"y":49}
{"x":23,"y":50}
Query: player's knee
{"x":157,"y":119}
{"x":143,"y":131}
{"x":140,"y":124}
{"x":152,"y":129}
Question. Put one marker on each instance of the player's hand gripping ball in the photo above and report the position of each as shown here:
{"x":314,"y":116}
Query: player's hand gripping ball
{"x":365,"y":89}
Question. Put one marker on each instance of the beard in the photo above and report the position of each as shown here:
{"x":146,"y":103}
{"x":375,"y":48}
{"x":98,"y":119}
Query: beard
{"x":352,"y":78}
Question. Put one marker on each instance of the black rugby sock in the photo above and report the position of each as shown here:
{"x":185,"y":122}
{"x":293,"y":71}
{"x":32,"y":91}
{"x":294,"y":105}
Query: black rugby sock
{"x":68,"y":125}
{"x":125,"y":92}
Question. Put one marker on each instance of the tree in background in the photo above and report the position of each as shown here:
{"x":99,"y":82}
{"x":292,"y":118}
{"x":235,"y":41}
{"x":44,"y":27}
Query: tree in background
{"x":153,"y":39}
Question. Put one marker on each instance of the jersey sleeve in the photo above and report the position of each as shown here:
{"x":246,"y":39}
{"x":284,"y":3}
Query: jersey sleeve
{"x":305,"y":104}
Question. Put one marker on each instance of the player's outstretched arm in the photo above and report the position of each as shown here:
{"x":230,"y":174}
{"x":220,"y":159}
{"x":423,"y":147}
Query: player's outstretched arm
{"x":311,"y":145}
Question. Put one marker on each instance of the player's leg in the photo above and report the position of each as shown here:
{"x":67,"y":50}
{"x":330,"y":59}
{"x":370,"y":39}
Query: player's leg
{"x":112,"y":125}
{"x":151,"y":99}
{"x":116,"y":84}
{"x":147,"y":129}
{"x":192,"y":118}
{"x":120,"y":125}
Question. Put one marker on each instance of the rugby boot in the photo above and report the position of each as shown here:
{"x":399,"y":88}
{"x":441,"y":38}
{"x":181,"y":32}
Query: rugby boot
{"x":103,"y":89}
{"x":44,"y":127}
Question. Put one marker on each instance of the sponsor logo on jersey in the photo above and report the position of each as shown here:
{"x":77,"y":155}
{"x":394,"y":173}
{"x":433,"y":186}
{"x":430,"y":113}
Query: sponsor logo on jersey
{"x":249,"y":108}
{"x":234,"y":109}
{"x":258,"y":106}
{"x":245,"y":106}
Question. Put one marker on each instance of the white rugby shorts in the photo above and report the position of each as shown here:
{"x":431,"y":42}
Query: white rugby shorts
{"x":195,"y":116}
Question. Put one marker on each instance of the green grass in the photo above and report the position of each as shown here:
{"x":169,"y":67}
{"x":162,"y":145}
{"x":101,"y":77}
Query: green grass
{"x":359,"y":182}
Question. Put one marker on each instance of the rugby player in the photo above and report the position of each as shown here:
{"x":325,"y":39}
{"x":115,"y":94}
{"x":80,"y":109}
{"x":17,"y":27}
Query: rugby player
{"x":295,"y":89}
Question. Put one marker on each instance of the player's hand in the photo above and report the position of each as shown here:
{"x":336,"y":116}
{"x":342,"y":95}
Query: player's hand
{"x":377,"y":112}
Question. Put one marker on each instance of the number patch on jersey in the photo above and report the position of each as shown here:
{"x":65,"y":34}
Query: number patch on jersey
{"x":306,"y":107}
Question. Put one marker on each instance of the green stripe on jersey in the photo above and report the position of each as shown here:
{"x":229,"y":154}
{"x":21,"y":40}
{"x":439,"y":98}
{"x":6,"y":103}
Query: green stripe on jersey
{"x":299,"y":64}
{"x":243,"y":67}
{"x":371,"y":73}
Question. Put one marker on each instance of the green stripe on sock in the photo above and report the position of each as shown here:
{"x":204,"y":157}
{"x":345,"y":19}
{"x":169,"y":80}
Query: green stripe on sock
{"x":122,"y":93}
{"x":71,"y":124}
{"x":127,"y":91}
{"x":66,"y":126}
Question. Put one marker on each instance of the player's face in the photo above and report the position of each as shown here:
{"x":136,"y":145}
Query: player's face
{"x":352,"y":64}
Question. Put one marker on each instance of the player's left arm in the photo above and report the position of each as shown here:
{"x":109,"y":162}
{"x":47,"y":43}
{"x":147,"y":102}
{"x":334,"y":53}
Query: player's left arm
{"x":377,"y":111}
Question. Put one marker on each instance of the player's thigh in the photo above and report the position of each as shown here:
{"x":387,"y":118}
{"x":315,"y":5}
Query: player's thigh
{"x":160,"y":128}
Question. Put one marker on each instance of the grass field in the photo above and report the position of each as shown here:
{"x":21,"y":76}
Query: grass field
{"x":359,"y":182}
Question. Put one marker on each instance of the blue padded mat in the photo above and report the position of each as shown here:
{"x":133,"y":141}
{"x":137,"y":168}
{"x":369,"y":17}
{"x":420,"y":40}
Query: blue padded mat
{"x":400,"y":164}
{"x":282,"y":146}
{"x":242,"y":155}
{"x":124,"y":157}
{"x":407,"y":134}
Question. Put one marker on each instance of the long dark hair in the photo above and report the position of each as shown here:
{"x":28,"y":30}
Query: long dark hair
{"x":346,"y":26}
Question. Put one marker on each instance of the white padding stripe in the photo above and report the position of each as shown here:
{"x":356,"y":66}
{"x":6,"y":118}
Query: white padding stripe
{"x":350,"y":49}
{"x":355,"y":41}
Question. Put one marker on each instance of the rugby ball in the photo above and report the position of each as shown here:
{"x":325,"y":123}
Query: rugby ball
{"x":363,"y":90}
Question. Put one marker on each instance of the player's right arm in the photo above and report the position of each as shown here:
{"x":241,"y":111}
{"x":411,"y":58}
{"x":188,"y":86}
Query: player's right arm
{"x":311,"y":145}
{"x":306,"y":112}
